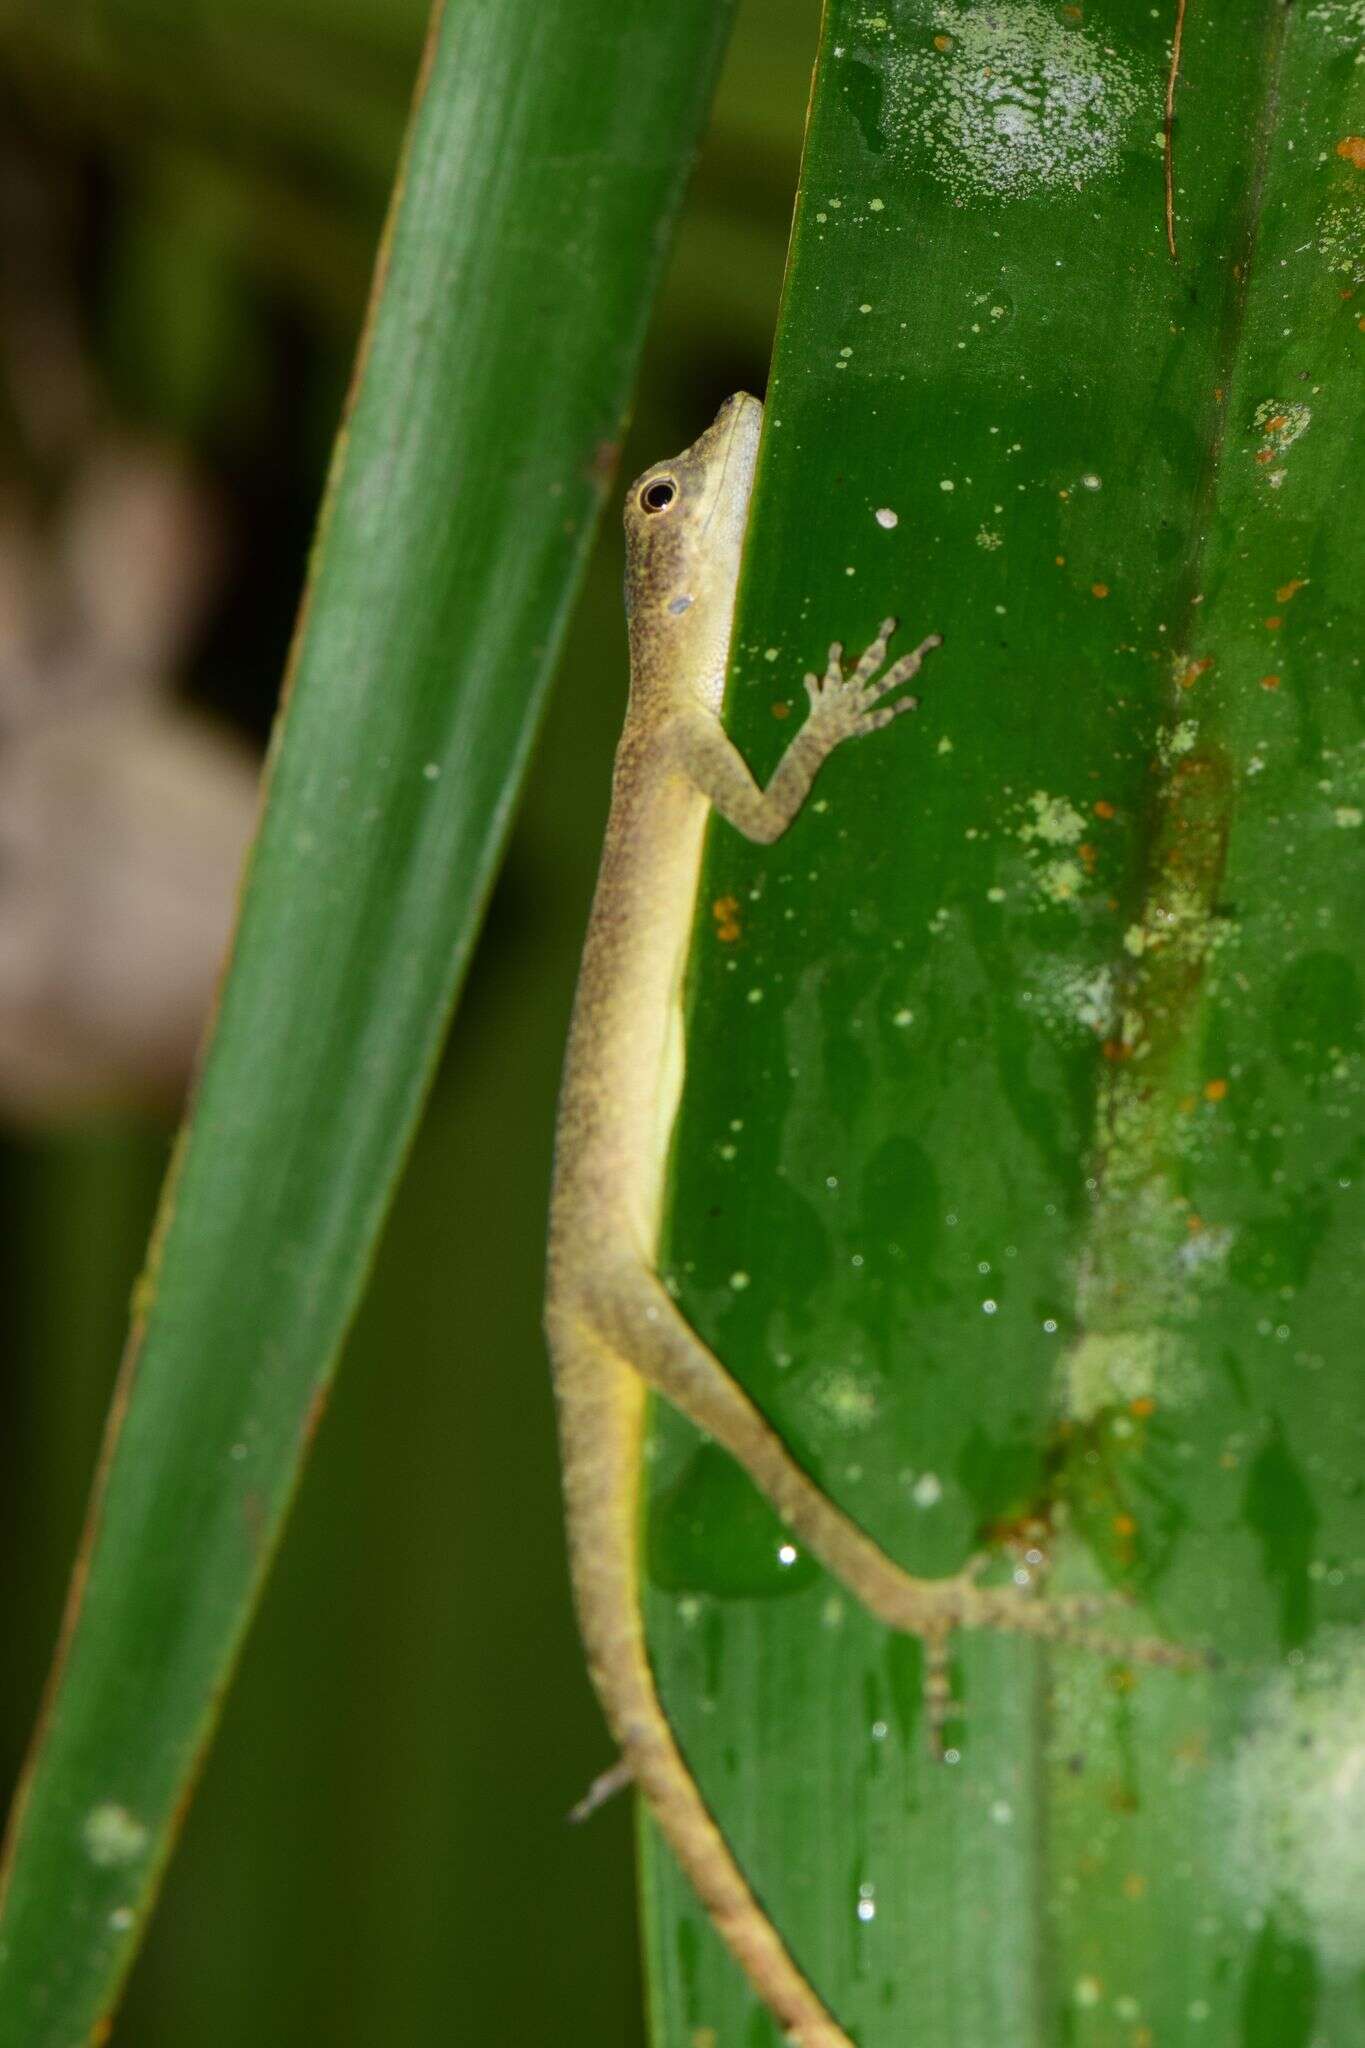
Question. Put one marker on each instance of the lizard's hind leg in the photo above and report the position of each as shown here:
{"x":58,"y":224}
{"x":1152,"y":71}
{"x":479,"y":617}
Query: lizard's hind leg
{"x":648,"y":1329}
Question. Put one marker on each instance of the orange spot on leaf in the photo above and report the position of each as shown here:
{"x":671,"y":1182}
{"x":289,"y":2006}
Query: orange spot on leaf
{"x":1215,"y":1091}
{"x":1274,"y":623}
{"x":782,"y":710}
{"x":1099,"y":590}
{"x":1270,"y":682}
{"x":1287,"y":590}
{"x":725,"y":911}
{"x":1103,"y":808}
{"x":1195,"y":670}
{"x":1352,"y":147}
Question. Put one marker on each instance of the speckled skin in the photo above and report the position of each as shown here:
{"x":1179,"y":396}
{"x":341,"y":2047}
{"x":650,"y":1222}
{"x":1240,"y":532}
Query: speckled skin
{"x":613,"y":1330}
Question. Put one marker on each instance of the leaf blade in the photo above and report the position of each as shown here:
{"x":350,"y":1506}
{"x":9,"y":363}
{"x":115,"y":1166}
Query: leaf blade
{"x":545,"y":161}
{"x":988,"y":1255}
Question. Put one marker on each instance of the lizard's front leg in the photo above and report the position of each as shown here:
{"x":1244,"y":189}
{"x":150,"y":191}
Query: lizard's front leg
{"x":842,"y":707}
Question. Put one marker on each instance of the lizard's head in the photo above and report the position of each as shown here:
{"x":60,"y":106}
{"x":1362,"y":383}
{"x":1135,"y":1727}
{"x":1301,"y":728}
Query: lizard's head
{"x":685,"y":523}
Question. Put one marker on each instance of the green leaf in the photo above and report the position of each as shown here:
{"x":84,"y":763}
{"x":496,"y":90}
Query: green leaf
{"x":544,"y":166}
{"x":1018,"y":1174}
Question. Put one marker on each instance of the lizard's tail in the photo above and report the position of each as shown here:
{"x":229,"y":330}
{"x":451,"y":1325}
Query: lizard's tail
{"x":602,"y":1407}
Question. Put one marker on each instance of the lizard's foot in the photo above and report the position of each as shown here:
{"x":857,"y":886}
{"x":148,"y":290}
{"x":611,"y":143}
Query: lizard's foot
{"x":845,"y":706}
{"x":604,"y":1786}
{"x":1075,"y":1619}
{"x":1059,"y":1618}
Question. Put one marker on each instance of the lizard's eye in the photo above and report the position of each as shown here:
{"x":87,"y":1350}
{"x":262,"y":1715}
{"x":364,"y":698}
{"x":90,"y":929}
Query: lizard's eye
{"x":658,"y":494}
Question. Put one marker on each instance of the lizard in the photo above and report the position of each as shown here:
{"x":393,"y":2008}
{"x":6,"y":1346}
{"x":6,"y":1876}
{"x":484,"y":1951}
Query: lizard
{"x":613,"y":1331}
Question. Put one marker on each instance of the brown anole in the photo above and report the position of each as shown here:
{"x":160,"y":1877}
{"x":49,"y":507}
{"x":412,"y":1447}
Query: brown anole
{"x":614,"y":1331}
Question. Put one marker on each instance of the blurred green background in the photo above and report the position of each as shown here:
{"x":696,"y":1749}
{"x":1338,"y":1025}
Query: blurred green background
{"x":189,"y":204}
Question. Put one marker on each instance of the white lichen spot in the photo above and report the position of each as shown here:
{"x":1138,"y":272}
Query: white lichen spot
{"x":903,"y":1019}
{"x":1344,"y":19}
{"x":1341,"y":238}
{"x":739,"y":1281}
{"x":995,"y":895}
{"x":876,"y":205}
{"x":1076,"y":999}
{"x":1062,"y":880}
{"x":848,"y":1401}
{"x":1114,"y":1368}
{"x":884,"y":516}
{"x":1280,"y":422}
{"x":1348,"y":816}
{"x":113,"y":1835}
{"x":1298,"y":1794}
{"x":927,"y":1490}
{"x":1174,"y":741}
{"x":1053,"y":820}
{"x":946,"y":484}
{"x":945,"y":745}
{"x":1205,"y":1252}
{"x":1008,"y":101}
{"x":1087,"y":1991}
